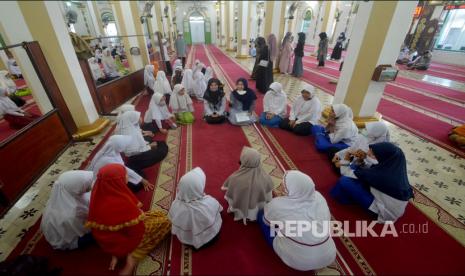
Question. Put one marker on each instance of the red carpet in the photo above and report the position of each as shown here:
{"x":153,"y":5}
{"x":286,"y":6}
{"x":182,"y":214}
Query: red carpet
{"x":409,"y":254}
{"x":6,"y":131}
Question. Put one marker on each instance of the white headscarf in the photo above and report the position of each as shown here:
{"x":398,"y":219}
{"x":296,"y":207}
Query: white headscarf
{"x":275,"y":100}
{"x":108,"y":62}
{"x":95,"y":69}
{"x":195,"y":217}
{"x":302,"y":203}
{"x":7,"y":106}
{"x":125,"y":108}
{"x":128,"y":124}
{"x":67,"y":209}
{"x":208,"y":74}
{"x":198,"y":68}
{"x":345,"y":128}
{"x":377,"y":132}
{"x":177,"y":63}
{"x":149,"y":79}
{"x":187,"y":81}
{"x":13,"y":67}
{"x":199,"y":84}
{"x":180,"y":103}
{"x":156,"y":111}
{"x":306,"y":110}
{"x":112,"y":150}
{"x":7,"y":82}
{"x":162,"y":85}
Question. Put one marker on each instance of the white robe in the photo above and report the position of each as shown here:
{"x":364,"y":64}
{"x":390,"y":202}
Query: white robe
{"x":7,"y":106}
{"x":187,"y":81}
{"x":345,"y":129}
{"x":7,"y":82}
{"x":97,"y":72}
{"x":111,"y":153}
{"x":275,"y":100}
{"x":162,"y":85}
{"x":303,"y":203}
{"x":157,"y":112}
{"x":67,"y":209}
{"x":109,"y":66}
{"x":128,"y":124}
{"x":180,"y":103}
{"x":199,"y":86}
{"x":306,"y":111}
{"x":195,"y":216}
{"x":13,"y":67}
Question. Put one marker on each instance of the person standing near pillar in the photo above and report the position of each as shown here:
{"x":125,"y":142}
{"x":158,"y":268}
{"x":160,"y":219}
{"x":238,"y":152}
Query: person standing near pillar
{"x":264,"y":69}
{"x":180,"y":45}
{"x":286,"y":54}
{"x":298,"y":69}
{"x":337,"y":51}
{"x":322,"y":49}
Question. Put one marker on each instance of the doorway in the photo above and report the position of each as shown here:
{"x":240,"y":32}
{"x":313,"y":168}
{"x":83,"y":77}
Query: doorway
{"x":197,"y":27}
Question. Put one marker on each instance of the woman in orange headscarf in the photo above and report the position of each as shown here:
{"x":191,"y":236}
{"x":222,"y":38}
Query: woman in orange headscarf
{"x":118,"y":224}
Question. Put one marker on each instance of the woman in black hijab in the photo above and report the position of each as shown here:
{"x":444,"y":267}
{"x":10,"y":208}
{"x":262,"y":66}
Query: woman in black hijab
{"x":322,"y":49}
{"x":337,"y":51}
{"x":298,"y":69}
{"x":242,"y":104}
{"x":383,"y":188}
{"x":259,"y":44}
{"x":264,"y":73}
{"x":214,"y":102}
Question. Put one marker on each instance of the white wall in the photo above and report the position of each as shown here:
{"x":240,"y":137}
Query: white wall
{"x":183,"y":7}
{"x":448,"y":57}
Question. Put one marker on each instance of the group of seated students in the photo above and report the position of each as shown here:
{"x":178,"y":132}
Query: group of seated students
{"x":413,"y":60}
{"x":99,"y":204}
{"x":106,"y":65}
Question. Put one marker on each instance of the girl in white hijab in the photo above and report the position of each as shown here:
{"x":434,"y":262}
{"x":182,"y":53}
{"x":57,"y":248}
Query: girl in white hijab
{"x":274,"y":106}
{"x":109,"y":66}
{"x":98,"y":55}
{"x":158,"y":112}
{"x":182,"y":105}
{"x":249,"y":188}
{"x":7,"y":82}
{"x":162,"y":85}
{"x":305,"y":112}
{"x":341,"y":131}
{"x":97,"y":72}
{"x":302,"y":203}
{"x":198,"y":68}
{"x":195,"y":216}
{"x":67,"y":209}
{"x":177,"y":63}
{"x":188,"y":82}
{"x":208,"y":74}
{"x":199,"y":85}
{"x":111,"y":153}
{"x":176,"y":78}
{"x":149,"y":79}
{"x":14,"y":68}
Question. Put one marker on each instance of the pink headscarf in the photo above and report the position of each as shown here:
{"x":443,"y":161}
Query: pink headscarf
{"x":272,"y":47}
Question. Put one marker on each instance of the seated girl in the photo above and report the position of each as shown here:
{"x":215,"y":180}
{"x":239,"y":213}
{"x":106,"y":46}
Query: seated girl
{"x":421,"y":62}
{"x":305,"y":112}
{"x":242,"y":104}
{"x":15,"y":116}
{"x":10,"y":86}
{"x":97,"y":72}
{"x":274,"y":106}
{"x":199,"y":85}
{"x":149,"y":79}
{"x":118,"y":224}
{"x":141,"y":154}
{"x":177,"y":76}
{"x":158,"y":112}
{"x":162,"y":86}
{"x":376,"y":132}
{"x":119,"y":65}
{"x":182,"y":106}
{"x":177,"y":63}
{"x":302,"y":203}
{"x":249,"y":188}
{"x":383,"y":188}
{"x":188,"y":82}
{"x":341,"y":131}
{"x":109,"y":65}
{"x":214,"y":103}
{"x":196,"y":217}
{"x":66,"y":211}
{"x":111,"y":153}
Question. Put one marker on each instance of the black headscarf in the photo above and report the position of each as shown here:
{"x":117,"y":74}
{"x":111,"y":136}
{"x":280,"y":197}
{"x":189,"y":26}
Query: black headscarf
{"x":299,"y":48}
{"x":389,"y":176}
{"x":342,"y":36}
{"x":214,"y":97}
{"x":323,"y":35}
{"x":246,"y":99}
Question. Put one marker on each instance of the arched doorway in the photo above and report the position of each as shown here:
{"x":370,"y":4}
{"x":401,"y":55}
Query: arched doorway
{"x":306,"y":21}
{"x":197,"y":27}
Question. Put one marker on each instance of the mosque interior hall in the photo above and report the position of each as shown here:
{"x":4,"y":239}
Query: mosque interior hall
{"x":232,"y":137}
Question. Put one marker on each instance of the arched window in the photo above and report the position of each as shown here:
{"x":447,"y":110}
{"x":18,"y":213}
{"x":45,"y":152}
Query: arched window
{"x":306,"y":21}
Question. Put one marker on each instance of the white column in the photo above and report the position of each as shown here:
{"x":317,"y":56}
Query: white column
{"x":93,"y":15}
{"x":358,"y":68}
{"x":243,"y":26}
{"x":14,"y":31}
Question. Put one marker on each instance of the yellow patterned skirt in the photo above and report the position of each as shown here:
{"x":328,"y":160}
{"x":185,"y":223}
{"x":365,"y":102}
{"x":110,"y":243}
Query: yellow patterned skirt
{"x":157,"y":226}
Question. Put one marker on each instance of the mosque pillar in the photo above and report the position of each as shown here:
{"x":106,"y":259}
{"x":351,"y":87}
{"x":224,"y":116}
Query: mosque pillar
{"x":380,"y":28}
{"x":50,"y":31}
{"x":275,"y":12}
{"x":229,"y":25}
{"x":223,"y":23}
{"x":96,"y":18}
{"x":129,"y":26}
{"x":243,"y":32}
